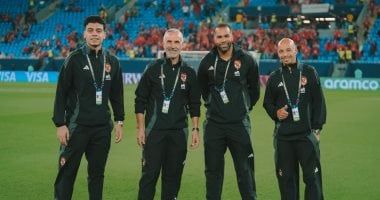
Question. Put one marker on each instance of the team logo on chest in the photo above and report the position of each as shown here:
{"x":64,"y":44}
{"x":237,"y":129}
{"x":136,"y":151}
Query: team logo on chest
{"x":237,"y":65}
{"x":107,"y":68}
{"x":183,"y":79}
{"x":303,"y":80}
{"x":303,"y":84}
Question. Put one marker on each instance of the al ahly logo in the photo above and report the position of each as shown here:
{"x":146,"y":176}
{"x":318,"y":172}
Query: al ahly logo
{"x":183,"y":77}
{"x":303,"y":80}
{"x":108,"y":68}
{"x":237,"y":64}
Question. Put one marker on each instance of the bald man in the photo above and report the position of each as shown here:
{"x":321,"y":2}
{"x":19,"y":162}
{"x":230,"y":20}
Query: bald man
{"x":295,"y":102}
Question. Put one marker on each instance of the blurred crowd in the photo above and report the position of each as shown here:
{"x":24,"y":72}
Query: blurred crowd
{"x":198,"y":34}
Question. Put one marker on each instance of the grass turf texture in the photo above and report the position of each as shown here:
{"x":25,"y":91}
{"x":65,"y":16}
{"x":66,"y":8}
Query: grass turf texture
{"x":29,"y":150}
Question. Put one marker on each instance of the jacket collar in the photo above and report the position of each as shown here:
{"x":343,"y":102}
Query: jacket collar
{"x":298,"y":65}
{"x":87,"y":51}
{"x":168,"y":62}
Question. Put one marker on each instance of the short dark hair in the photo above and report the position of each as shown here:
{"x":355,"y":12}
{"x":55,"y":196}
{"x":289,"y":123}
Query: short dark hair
{"x":94,"y":19}
{"x":224,"y":25}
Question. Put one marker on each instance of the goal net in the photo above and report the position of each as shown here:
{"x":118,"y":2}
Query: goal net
{"x":193,"y":58}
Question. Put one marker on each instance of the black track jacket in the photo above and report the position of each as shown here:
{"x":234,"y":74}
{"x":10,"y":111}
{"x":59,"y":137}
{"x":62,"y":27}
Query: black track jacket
{"x":75,"y":95}
{"x":242,"y":86}
{"x":312,"y":107}
{"x":149,"y":95}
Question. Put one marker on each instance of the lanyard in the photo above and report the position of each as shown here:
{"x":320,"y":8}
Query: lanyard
{"x":163,"y":83}
{"x":92,"y":72}
{"x":225,"y":73}
{"x":286,"y":90}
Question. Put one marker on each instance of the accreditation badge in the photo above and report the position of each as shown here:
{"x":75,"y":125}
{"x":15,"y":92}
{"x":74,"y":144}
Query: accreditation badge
{"x":224,"y":96}
{"x":296,"y":114}
{"x":98,"y":97}
{"x":165,"y":106}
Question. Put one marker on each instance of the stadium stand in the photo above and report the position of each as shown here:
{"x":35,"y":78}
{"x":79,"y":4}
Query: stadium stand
{"x":137,"y":32}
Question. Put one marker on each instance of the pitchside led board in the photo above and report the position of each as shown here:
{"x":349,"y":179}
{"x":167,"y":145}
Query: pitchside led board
{"x":368,"y":84}
{"x":193,"y":58}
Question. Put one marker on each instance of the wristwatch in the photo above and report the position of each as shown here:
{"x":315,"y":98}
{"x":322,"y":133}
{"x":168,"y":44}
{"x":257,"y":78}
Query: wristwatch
{"x":121,"y":123}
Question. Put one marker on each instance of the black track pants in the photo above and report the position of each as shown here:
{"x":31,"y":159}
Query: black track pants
{"x":95,"y":143}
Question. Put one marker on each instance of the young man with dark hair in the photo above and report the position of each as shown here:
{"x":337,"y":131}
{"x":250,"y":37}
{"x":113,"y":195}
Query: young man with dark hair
{"x":90,"y":78}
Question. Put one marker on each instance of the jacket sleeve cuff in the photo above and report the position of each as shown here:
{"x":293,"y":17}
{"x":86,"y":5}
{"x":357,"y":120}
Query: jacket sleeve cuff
{"x":274,"y":115}
{"x":316,"y":127}
{"x":195,"y":114}
{"x":118,"y":119}
{"x":59,"y":124}
{"x":139,"y":109}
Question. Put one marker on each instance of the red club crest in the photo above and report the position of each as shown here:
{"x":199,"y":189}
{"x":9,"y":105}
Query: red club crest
{"x":237,"y":64}
{"x":108,"y":68}
{"x":183,"y":77}
{"x":303,"y":80}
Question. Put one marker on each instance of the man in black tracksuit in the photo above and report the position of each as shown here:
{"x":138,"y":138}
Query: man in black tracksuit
{"x":167,"y":91}
{"x":229,"y":82}
{"x":89,"y":78}
{"x":294,"y":100}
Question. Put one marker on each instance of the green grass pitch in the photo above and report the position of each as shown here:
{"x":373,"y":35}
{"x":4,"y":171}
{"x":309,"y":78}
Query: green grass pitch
{"x":350,"y":150}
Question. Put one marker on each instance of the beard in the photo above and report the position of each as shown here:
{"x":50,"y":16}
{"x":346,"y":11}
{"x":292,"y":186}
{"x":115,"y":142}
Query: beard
{"x":224,"y":47}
